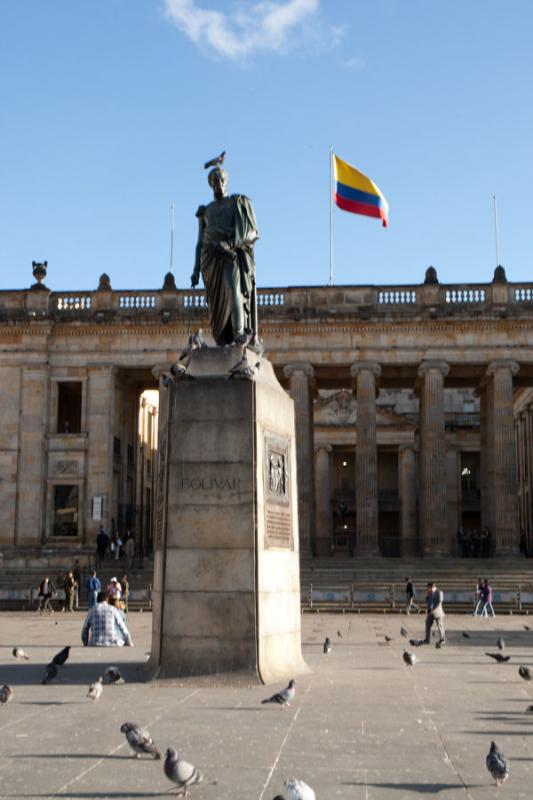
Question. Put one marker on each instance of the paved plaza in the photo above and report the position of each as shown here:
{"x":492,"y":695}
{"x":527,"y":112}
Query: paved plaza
{"x":364,"y":726}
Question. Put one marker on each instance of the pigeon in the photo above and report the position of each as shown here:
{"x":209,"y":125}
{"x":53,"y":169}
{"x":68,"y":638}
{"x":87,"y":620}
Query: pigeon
{"x":339,"y":634}
{"x":61,"y":657}
{"x":527,"y":628}
{"x":217,"y":161}
{"x":50,"y":673}
{"x":497,"y":765}
{"x":298,"y":790}
{"x":139,"y":740}
{"x":112,"y":675}
{"x":498,"y":657}
{"x":415,"y":642}
{"x":6,"y":694}
{"x":20,"y":654}
{"x":466,"y":635}
{"x":327,"y":646}
{"x":529,"y":709}
{"x":181,"y":772}
{"x":500,"y":643}
{"x":404,"y":632}
{"x":525,"y":673}
{"x":284,"y":697}
{"x":388,"y":638}
{"x":409,"y":658}
{"x":95,"y":690}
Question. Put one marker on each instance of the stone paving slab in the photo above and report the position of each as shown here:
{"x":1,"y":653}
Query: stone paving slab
{"x":364,"y":726}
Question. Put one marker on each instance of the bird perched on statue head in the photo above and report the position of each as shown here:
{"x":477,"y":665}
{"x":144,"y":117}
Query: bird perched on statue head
{"x":497,"y":765}
{"x":525,"y":673}
{"x":140,"y":740}
{"x":217,"y":161}
{"x":6,"y":694}
{"x":180,"y":772}
{"x":20,"y":654}
{"x":327,"y":645}
{"x":298,"y":790}
{"x":61,"y":658}
{"x":284,"y":697}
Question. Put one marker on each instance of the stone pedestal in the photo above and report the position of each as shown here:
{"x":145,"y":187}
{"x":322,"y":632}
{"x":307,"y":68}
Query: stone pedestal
{"x":226,"y":583}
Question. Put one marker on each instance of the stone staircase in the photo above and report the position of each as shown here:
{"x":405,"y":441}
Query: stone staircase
{"x":334,"y":584}
{"x":19,"y":584}
{"x":378,"y":584}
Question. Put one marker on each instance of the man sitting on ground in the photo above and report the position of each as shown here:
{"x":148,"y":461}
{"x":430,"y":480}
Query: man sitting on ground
{"x":104,"y":626}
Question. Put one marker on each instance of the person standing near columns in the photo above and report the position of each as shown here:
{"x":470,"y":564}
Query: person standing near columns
{"x":366,"y":458}
{"x":300,"y":377}
{"x":432,"y":476}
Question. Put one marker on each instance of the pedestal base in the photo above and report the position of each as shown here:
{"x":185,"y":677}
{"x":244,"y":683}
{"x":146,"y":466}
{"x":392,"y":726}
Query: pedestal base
{"x":226,"y":584}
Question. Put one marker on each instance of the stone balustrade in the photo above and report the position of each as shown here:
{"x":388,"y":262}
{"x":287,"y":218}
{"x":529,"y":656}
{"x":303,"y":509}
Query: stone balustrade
{"x":293,"y":302}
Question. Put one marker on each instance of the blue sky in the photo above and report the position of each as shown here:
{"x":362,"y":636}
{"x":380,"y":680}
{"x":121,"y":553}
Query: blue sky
{"x":109,"y":108}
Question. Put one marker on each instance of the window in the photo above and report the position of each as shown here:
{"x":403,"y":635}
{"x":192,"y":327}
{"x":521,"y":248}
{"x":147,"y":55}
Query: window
{"x":69,"y":406}
{"x":66,"y":511}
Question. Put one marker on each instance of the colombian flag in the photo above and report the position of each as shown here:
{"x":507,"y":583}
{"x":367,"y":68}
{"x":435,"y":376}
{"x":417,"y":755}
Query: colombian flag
{"x":356,"y":193}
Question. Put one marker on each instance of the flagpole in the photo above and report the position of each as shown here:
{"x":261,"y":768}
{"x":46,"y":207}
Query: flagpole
{"x":172,"y":237}
{"x":496,"y":236}
{"x":330,"y":281}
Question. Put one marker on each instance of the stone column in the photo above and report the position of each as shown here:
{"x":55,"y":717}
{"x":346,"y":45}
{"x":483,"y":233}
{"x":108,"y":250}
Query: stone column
{"x":300,"y":376}
{"x":100,"y":418}
{"x":407,"y":484}
{"x":485,"y":460}
{"x":324,"y":531}
{"x":453,"y":494}
{"x":31,"y":469}
{"x":432,"y":472}
{"x":503,"y":455}
{"x":366,"y":458}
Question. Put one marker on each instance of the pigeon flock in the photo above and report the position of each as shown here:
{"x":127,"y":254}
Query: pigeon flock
{"x":184,"y":775}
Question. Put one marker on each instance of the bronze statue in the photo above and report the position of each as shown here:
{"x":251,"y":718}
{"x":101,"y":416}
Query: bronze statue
{"x":225,"y":257}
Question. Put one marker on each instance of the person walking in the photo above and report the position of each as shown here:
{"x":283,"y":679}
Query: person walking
{"x":92,"y":586}
{"x":410,"y":595}
{"x":487,"y":595}
{"x":435,"y":613}
{"x":76,"y":571}
{"x":479,"y":596}
{"x":70,"y":591}
{"x":114,"y":590}
{"x":47,"y":591}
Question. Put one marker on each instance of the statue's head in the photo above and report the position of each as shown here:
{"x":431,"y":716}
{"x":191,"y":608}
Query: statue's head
{"x":218,"y":181}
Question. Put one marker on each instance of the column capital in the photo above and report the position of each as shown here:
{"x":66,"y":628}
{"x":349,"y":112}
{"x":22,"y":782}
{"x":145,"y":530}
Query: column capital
{"x":299,"y":366}
{"x":402,"y":448}
{"x":429,"y":364}
{"x":371,"y":366}
{"x":327,"y":447}
{"x":502,"y":363}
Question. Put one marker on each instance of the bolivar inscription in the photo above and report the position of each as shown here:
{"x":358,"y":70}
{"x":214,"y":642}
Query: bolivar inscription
{"x":219,"y":484}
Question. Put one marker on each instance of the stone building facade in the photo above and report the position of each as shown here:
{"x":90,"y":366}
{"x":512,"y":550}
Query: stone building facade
{"x":414,"y":411}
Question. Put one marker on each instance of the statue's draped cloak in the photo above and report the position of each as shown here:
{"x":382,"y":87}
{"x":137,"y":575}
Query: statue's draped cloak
{"x":227,"y":274}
